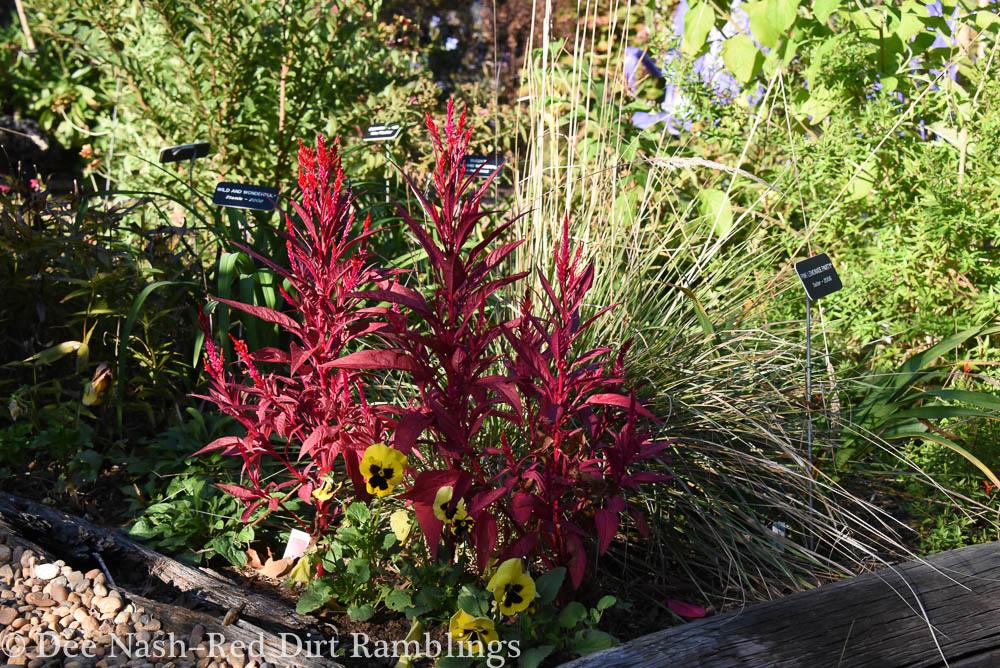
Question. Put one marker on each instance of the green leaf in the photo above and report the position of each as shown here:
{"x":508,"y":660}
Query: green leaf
{"x":123,"y":348}
{"x":358,"y":512}
{"x":605,"y":603}
{"x":533,"y":656}
{"x":782,"y":14}
{"x":547,"y":585}
{"x":862,"y":184}
{"x":715,"y":205}
{"x":453,"y":662}
{"x":361,"y":613}
{"x":981,"y":399}
{"x":358,"y":570}
{"x":822,"y":9}
{"x":760,"y":24}
{"x":948,"y":443}
{"x":398,"y":600}
{"x":697,"y":23}
{"x":318,"y":593}
{"x":986,"y":20}
{"x":742,"y":57}
{"x":589,"y":641}
{"x":473,"y":601}
{"x":572,"y":615}
{"x":909,"y":25}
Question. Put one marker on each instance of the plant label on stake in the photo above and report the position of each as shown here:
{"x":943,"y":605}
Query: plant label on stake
{"x":245,"y":196}
{"x":818,"y":276}
{"x":819,"y":279}
{"x":383,"y":132}
{"x":184,"y":152}
{"x":482,"y":166}
{"x":298,"y":541}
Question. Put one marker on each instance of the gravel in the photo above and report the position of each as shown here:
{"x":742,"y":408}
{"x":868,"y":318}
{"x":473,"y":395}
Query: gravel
{"x":53,"y":615}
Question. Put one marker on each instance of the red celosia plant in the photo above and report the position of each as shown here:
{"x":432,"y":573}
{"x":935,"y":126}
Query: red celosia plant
{"x":571,"y":433}
{"x":315,"y":413}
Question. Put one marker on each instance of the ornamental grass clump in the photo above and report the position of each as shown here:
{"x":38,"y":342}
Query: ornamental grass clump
{"x":499,"y":431}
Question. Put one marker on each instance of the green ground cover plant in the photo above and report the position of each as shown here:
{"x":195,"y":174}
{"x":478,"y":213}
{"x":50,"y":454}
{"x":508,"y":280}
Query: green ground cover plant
{"x":449,"y":422}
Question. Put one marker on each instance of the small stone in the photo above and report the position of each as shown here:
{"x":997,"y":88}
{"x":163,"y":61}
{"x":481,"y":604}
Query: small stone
{"x":80,"y":614}
{"x":122,"y":630}
{"x":26,"y":558}
{"x":100,"y":589}
{"x":82,"y":586}
{"x":7,"y":573}
{"x":46,"y":571}
{"x":18,"y":623}
{"x":7,"y":615}
{"x":59,"y":593}
{"x":110,"y":605}
{"x":39,"y":600}
{"x":17,"y":660}
{"x":87,"y":599}
{"x":73,"y":578}
{"x":6,"y":594}
{"x":152,"y":625}
{"x":143,"y":619}
{"x":36,"y":663}
{"x":122,"y":617}
{"x":142,"y":637}
{"x":92,"y":573}
{"x":89,"y":624}
{"x":4,"y":554}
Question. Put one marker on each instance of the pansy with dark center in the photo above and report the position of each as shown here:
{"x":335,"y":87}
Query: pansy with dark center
{"x":513,"y":589}
{"x":382,"y":468}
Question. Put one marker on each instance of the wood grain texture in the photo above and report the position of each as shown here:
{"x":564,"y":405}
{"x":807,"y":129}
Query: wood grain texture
{"x":73,"y":537}
{"x":876,"y":620}
{"x":180,"y":622}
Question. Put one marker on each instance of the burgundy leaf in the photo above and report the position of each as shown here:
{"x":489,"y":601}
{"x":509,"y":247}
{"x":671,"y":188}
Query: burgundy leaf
{"x":408,"y":430}
{"x":375,"y":359}
{"x":484,"y":535}
{"x":264,"y":313}
{"x":244,"y":494}
{"x":686,"y":609}
{"x":606,"y":522}
{"x":619,"y":400}
{"x":484,"y":499}
{"x":577,"y":559}
{"x":219,"y":444}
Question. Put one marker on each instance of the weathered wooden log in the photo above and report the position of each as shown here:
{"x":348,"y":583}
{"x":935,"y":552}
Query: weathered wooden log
{"x":944,"y":611}
{"x":179,"y":622}
{"x":73,"y":537}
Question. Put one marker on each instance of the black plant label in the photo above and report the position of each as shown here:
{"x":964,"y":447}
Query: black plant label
{"x":482,"y":166}
{"x":245,"y":196}
{"x":383,"y":132}
{"x":184,"y":152}
{"x":818,"y":276}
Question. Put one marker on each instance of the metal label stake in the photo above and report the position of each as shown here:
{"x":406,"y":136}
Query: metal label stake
{"x":819,"y":278}
{"x":384,"y":133}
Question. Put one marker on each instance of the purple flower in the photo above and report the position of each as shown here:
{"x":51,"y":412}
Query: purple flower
{"x":633,"y":56}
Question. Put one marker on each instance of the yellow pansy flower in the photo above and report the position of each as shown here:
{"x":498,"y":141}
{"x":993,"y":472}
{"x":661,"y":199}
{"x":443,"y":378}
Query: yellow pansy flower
{"x":474,"y":632}
{"x":461,"y":523}
{"x":382,"y":468}
{"x":324,"y":493}
{"x":512,"y":588}
{"x":441,"y":502}
{"x":400,"y":524}
{"x":302,"y":571}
